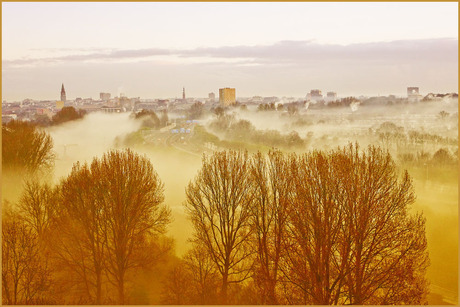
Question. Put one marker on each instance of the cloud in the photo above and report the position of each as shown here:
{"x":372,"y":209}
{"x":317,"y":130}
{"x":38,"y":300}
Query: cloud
{"x":309,"y":51}
{"x":95,"y":56}
{"x":283,"y":52}
{"x":284,"y":68}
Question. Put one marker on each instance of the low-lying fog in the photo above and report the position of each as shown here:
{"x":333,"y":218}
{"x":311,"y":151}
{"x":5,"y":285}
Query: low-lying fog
{"x":96,"y":133}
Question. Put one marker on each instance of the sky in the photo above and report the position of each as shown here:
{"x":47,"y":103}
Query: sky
{"x":153,"y":49}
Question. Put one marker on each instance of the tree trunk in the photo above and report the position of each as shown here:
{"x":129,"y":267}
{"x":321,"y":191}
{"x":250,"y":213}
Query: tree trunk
{"x":121,"y":291}
{"x":223,"y":293}
{"x":98,"y":287}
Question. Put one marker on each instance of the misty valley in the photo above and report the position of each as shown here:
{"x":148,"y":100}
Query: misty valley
{"x":354,"y":201}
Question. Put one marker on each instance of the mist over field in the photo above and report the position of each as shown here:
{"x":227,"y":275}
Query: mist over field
{"x":412,"y":133}
{"x":177,"y":165}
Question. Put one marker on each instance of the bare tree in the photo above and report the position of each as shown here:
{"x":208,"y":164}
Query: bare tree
{"x":25,"y":274}
{"x":110,"y":212}
{"x":81,"y":243}
{"x":351,"y":238}
{"x":316,"y":248}
{"x":203,"y":274}
{"x":177,"y":288}
{"x":219,"y":204}
{"x":269,"y":216}
{"x":131,"y":194}
{"x":38,"y":205}
{"x":388,"y":246}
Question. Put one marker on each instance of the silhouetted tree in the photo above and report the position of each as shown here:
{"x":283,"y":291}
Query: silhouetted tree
{"x":294,"y":140}
{"x":81,"y":240}
{"x":111,"y":209}
{"x":269,"y":218}
{"x":177,"y":288}
{"x":26,"y":148}
{"x":37,"y":205}
{"x":292,"y":109}
{"x":219,"y":204}
{"x":194,"y":280}
{"x":442,"y":157}
{"x":443,"y":114}
{"x":132,"y":194}
{"x":67,"y":114}
{"x":196,"y":110}
{"x":149,"y":119}
{"x":352,"y":239}
{"x":25,"y":273}
{"x":219,"y":111}
{"x":203,"y":274}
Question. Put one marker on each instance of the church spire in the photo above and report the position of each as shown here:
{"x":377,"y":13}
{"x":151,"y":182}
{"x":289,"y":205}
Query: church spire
{"x":63,"y":98}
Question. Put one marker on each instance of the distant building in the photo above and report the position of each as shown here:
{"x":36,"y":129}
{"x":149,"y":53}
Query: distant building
{"x":413,"y":94}
{"x":63,"y":98}
{"x":227,"y":96}
{"x":412,"y":91}
{"x":104,"y":96}
{"x":331,"y":96}
{"x":212,"y":96}
{"x":107,"y":109}
{"x":183,"y":95}
{"x":257,"y":99}
{"x":316,"y":95}
{"x":59,"y":104}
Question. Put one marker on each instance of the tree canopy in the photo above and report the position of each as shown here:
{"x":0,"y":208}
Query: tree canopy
{"x":25,"y":147}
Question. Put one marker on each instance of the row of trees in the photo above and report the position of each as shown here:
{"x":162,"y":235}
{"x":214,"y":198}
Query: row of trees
{"x":244,"y":130}
{"x":317,"y":228}
{"x":151,"y":120}
{"x":85,"y":236}
{"x":64,"y":115}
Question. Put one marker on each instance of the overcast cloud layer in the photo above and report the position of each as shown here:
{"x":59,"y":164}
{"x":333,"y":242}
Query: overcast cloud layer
{"x":286,"y":68}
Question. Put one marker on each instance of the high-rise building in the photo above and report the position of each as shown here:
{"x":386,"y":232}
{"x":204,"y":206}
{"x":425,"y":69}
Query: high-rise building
{"x":183,"y":94}
{"x":63,"y":98}
{"x":227,"y":96}
{"x":104,"y":96}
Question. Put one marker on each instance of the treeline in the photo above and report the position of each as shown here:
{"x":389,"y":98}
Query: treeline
{"x":315,"y":228}
{"x":151,"y":120}
{"x":244,"y":131}
{"x":80,"y":242}
{"x":389,"y":132}
{"x":64,"y":115}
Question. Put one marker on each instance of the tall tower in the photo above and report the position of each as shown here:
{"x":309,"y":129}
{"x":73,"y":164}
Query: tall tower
{"x":183,"y":93}
{"x":63,"y":93}
{"x":227,"y":96}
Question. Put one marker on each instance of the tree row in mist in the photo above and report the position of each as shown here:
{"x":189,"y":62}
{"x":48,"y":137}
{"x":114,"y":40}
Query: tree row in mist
{"x":79,"y":241}
{"x":323,"y":227}
{"x":316,"y":228}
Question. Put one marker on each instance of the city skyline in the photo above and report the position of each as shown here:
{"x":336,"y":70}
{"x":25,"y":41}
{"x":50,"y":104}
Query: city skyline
{"x":274,"y":49}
